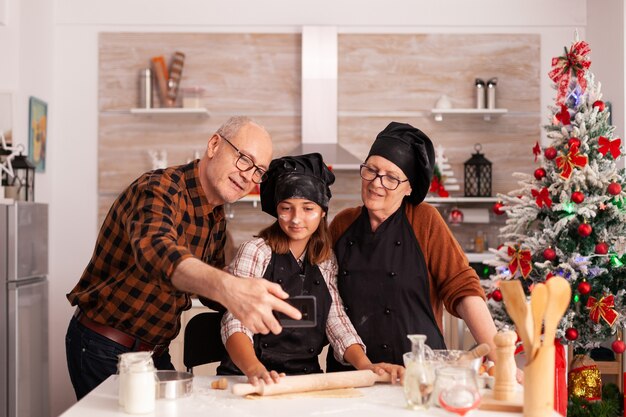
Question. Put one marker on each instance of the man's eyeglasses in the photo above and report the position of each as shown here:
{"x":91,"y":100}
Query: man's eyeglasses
{"x":388,"y":181}
{"x":244,"y":164}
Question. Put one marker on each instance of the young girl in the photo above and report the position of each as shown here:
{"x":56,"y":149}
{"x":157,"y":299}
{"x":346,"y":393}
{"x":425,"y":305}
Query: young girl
{"x":295,"y":252}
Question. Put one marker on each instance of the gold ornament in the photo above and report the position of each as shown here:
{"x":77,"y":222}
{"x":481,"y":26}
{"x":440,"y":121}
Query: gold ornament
{"x":584,"y":379}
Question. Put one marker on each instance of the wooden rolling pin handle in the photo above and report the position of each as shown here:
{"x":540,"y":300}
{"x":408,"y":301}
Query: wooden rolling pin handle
{"x":247,"y":389}
{"x":478,"y":352}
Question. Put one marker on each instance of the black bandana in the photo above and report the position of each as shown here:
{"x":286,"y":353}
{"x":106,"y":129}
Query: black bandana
{"x":412,"y":151}
{"x":303,"y":176}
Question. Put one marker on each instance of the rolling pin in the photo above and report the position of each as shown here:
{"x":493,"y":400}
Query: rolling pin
{"x":314,"y":382}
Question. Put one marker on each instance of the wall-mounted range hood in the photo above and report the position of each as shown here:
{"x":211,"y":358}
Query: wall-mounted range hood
{"x":319,"y":98}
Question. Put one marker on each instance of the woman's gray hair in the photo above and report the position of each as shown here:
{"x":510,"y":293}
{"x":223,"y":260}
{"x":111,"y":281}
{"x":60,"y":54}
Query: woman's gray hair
{"x":230,"y":128}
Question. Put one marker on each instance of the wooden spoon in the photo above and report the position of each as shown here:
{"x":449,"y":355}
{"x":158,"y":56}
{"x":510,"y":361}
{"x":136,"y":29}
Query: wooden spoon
{"x":516,"y":306}
{"x":538,"y":302}
{"x":559,"y":294}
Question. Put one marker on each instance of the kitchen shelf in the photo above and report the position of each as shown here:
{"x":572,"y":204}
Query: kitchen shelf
{"x":255,"y":199}
{"x":461,"y":200}
{"x":171,"y":111}
{"x":473,"y":257}
{"x":486,"y":114}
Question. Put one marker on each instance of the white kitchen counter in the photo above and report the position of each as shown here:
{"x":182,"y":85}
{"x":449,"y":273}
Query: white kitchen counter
{"x":379,"y":400}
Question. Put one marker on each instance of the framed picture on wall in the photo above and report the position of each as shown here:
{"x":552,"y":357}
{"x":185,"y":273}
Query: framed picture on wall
{"x":37,"y":132}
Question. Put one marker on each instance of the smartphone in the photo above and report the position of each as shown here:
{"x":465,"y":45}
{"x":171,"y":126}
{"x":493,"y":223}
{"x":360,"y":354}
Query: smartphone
{"x":306,"y":305}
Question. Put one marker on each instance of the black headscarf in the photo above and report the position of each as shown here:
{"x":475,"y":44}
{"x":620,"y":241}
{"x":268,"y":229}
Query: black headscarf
{"x":303,"y":176}
{"x":412,"y":151}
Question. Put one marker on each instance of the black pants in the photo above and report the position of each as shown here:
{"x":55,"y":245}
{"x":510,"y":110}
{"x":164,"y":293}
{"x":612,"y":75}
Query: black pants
{"x":92,"y":358}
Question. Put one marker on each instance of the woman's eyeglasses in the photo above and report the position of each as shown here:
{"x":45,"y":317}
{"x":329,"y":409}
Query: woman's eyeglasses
{"x":388,"y":181}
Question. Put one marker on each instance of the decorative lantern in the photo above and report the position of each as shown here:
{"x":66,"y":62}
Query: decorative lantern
{"x":477,"y":175}
{"x":20,"y":186}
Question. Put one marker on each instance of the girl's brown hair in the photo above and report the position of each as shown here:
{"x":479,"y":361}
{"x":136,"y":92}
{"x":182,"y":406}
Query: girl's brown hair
{"x":318,"y":249}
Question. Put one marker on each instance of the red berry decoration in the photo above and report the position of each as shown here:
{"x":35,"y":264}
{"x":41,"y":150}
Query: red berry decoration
{"x":614,"y":188}
{"x":584,"y":230}
{"x":496,"y":295}
{"x":599,"y":104}
{"x":497,"y":208}
{"x":550,"y":153}
{"x":540,"y":173}
{"x":584,"y":288}
{"x":549,"y":254}
{"x":571,"y":334}
{"x":574,"y":142}
{"x":618,"y":346}
{"x":578,"y":197}
{"x":602,"y":248}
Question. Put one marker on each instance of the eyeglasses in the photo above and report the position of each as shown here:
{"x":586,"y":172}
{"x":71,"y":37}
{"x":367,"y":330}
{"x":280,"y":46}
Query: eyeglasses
{"x":244,"y":164}
{"x":388,"y":181}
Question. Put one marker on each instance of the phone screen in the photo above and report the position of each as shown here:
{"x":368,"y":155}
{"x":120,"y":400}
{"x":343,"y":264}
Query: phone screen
{"x":307,"y":306}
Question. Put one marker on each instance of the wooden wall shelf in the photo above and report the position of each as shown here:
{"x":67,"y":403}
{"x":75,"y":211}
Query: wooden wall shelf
{"x":486,"y":114}
{"x":171,"y":111}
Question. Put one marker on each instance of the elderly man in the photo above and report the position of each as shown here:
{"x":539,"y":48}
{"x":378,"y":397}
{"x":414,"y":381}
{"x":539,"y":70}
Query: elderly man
{"x":163,"y":240}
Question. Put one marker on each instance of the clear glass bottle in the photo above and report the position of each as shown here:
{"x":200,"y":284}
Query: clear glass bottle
{"x":140,"y":386}
{"x":479,"y":242}
{"x":419,"y":376}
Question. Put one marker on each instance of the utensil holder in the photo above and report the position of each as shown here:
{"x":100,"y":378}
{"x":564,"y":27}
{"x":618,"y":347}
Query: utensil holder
{"x":539,"y":384}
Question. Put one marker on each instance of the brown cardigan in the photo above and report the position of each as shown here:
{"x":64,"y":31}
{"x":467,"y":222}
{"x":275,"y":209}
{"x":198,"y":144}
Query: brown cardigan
{"x":451,"y":278}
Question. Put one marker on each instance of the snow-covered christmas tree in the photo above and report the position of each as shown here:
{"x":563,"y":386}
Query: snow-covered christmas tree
{"x":569,"y":216}
{"x":443,"y":179}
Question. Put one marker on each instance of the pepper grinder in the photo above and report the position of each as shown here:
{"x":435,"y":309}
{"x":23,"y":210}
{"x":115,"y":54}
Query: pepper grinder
{"x":491,"y":93}
{"x":480,"y":93}
{"x":504,"y":387}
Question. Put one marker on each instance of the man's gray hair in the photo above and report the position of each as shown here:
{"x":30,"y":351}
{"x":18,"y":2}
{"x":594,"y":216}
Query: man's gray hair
{"x":230,"y":128}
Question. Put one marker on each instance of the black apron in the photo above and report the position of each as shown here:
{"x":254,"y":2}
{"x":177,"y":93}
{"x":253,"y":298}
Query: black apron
{"x":295,"y":350}
{"x":383,"y":281}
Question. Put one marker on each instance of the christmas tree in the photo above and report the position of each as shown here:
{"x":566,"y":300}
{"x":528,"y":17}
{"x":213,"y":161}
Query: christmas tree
{"x":569,"y":216}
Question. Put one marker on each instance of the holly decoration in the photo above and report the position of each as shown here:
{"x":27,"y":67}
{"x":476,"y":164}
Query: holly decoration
{"x":578,"y":197}
{"x":550,"y":153}
{"x":540,"y":173}
{"x":496,"y":295}
{"x":602,"y":248}
{"x":599,"y":104}
{"x":585,"y":229}
{"x":614,"y":188}
{"x":571,"y":334}
{"x":497,"y":208}
{"x":549,"y":254}
{"x":618,"y":346}
{"x":584,"y":288}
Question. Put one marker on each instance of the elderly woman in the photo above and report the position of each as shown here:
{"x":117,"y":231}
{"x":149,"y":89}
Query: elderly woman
{"x":399,"y":264}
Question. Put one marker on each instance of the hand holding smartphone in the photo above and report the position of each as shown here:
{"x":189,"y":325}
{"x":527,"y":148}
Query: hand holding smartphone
{"x":307,"y":306}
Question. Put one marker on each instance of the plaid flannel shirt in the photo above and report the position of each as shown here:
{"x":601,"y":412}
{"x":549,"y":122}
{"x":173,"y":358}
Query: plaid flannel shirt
{"x":162,"y":218}
{"x":252,"y":260}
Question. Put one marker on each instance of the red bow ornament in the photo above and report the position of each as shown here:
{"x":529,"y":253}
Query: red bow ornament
{"x":520,"y":259}
{"x":563,"y":116}
{"x":438,"y":187}
{"x":603,"y":308}
{"x":536,"y":150}
{"x":572,"y":159}
{"x":575,"y":61}
{"x":542,"y":197}
{"x":612,"y":146}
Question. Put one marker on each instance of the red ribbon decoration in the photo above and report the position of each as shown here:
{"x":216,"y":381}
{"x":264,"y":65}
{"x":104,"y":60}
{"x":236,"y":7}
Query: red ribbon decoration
{"x":563,"y":116}
{"x":520,"y":259}
{"x":612,"y":146}
{"x":438,"y":187}
{"x":603,"y":308}
{"x":572,"y":159}
{"x":542,"y":197}
{"x":536,"y":150}
{"x":575,"y":61}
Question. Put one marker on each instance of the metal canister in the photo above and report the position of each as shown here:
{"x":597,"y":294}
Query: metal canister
{"x":480,"y":93}
{"x":145,"y":88}
{"x":491,"y":93}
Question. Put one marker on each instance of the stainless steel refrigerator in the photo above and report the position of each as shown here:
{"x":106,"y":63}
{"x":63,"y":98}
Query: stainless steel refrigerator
{"x":24,"y":365}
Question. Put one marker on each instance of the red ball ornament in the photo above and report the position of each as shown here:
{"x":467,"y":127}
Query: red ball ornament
{"x":578,"y":197}
{"x":540,"y":173}
{"x":550,"y":153}
{"x":585,"y":230}
{"x":618,"y":346}
{"x":584,"y":288}
{"x":496,"y":295}
{"x":614,"y":188}
{"x":599,"y":104}
{"x":497,"y":208}
{"x":571,"y":334}
{"x":602,"y":248}
{"x":549,"y":254}
{"x":574,"y":142}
